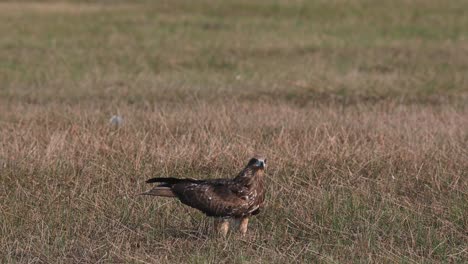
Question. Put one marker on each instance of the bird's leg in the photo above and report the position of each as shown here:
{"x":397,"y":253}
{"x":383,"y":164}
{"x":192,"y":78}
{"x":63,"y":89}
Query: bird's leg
{"x":222,"y":226}
{"x":243,"y":225}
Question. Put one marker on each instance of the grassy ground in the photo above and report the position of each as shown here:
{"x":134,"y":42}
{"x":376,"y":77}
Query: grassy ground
{"x":359,"y":106}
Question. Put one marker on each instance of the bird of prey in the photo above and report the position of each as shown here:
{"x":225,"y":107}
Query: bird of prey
{"x":236,"y":198}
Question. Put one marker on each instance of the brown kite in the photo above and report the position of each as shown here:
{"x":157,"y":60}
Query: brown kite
{"x":237,"y":198}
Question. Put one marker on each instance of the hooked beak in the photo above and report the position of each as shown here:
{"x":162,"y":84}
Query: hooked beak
{"x":261,"y":164}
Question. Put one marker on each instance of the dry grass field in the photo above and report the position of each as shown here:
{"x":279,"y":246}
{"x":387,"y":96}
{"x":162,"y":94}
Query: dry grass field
{"x":361,"y":108}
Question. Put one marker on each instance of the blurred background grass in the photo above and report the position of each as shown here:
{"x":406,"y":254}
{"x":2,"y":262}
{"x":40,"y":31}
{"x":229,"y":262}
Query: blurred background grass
{"x":284,"y":50}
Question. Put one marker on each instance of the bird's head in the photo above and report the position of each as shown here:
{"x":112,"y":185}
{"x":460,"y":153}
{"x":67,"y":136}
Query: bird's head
{"x":253,"y":171}
{"x":257,"y":163}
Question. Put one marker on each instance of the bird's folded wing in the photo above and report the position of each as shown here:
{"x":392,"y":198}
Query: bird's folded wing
{"x":213,"y":200}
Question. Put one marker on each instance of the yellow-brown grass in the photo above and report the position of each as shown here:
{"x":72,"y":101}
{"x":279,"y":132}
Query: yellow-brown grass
{"x":375,"y":182}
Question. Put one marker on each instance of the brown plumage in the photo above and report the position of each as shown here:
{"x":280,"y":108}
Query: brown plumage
{"x":238,"y":198}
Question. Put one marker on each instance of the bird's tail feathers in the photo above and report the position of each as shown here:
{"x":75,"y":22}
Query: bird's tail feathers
{"x":164,"y":188}
{"x":168,"y":181}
